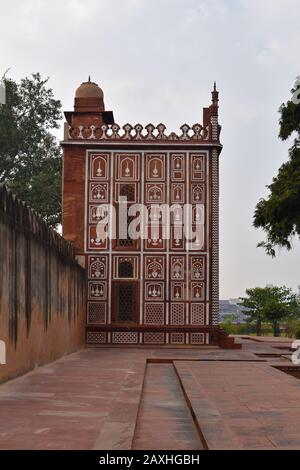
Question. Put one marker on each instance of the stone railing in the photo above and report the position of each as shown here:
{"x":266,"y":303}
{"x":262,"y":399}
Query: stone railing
{"x":139,"y":133}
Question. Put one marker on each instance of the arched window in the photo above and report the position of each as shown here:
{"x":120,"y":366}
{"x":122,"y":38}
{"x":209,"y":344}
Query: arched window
{"x":125,"y":270}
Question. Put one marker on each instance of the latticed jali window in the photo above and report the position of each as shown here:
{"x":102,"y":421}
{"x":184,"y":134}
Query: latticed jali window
{"x":125,"y":300}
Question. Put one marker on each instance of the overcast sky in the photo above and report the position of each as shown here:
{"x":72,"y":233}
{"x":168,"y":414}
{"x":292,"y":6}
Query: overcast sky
{"x":156,"y":61}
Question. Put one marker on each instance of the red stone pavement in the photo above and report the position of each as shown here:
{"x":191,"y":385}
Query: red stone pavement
{"x":102,"y":399}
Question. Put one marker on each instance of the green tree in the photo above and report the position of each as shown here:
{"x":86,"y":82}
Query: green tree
{"x":279,"y":214}
{"x":271,"y":305}
{"x":30,"y":156}
{"x":282,"y":304}
{"x":253,"y":305}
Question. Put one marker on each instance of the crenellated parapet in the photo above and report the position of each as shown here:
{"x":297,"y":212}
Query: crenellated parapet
{"x":139,"y":133}
{"x":22,"y":218}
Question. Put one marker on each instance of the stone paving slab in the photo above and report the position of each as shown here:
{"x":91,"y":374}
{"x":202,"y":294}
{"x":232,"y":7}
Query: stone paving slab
{"x":246,"y":406}
{"x":88,"y":400}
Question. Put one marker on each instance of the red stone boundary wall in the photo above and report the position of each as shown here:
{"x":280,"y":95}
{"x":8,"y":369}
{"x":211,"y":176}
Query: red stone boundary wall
{"x":42,"y":290}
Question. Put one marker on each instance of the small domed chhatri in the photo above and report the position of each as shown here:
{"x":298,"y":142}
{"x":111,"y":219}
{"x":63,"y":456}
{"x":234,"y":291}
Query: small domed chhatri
{"x":89,"y":98}
{"x":89,"y":90}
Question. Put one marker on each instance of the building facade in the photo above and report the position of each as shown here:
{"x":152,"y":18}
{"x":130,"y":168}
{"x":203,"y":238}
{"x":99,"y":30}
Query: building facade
{"x":159,"y":286}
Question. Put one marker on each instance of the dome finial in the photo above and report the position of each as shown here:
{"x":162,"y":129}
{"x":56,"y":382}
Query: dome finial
{"x":89,"y":80}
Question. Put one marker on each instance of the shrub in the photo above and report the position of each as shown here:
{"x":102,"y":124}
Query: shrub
{"x":266,"y":330}
{"x":293,"y":328}
{"x":297,"y":334}
{"x":230,"y":328}
{"x":236,"y":329}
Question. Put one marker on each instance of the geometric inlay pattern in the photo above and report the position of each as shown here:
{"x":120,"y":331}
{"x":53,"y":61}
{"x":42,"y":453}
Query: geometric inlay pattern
{"x":215,"y":237}
{"x":177,"y":314}
{"x":197,"y":314}
{"x":154,"y":338}
{"x":96,"y":313}
{"x":96,"y":337}
{"x":197,"y":338}
{"x":125,"y":338}
{"x":154,"y":314}
{"x":160,"y":280}
{"x":177,"y":338}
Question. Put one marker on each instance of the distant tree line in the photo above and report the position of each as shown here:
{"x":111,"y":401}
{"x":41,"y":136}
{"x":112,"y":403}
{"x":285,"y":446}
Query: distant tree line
{"x":266,"y":309}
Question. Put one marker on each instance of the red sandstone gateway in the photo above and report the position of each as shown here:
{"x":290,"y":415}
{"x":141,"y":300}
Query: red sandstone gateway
{"x":151,"y":290}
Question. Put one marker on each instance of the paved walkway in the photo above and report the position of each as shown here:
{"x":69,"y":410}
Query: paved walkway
{"x":98,"y":399}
